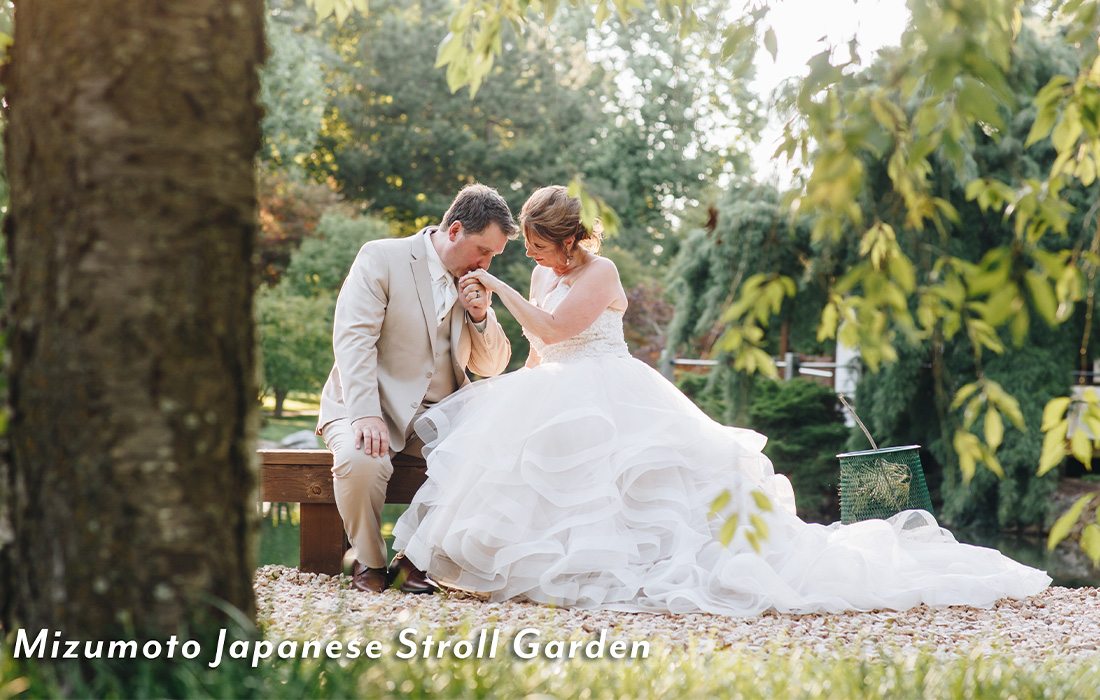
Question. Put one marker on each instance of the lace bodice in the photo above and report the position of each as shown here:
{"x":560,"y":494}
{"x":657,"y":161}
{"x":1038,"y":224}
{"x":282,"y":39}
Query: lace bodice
{"x":603,"y":337}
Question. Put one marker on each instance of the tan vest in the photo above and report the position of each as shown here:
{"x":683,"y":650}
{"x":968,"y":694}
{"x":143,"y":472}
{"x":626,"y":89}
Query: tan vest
{"x":443,"y":382}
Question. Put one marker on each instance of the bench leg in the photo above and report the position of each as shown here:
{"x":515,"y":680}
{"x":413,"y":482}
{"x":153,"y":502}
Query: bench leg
{"x":321,"y":541}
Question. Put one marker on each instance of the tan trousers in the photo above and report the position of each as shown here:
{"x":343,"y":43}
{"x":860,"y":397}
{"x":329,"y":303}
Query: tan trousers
{"x":359,"y":482}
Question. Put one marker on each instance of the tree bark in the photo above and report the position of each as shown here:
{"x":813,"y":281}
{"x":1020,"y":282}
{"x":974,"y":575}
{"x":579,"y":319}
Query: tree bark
{"x":280,"y":399}
{"x":128,"y":492}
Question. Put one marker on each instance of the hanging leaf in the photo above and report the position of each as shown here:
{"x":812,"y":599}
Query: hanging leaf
{"x":963,"y":394}
{"x":323,"y":8}
{"x":602,"y":13}
{"x":1080,"y":446}
{"x":994,"y":429}
{"x":1054,"y":447}
{"x":761,"y":500}
{"x":1042,"y":295}
{"x":759,"y":525}
{"x":729,"y":529}
{"x":770,"y":42}
{"x":1064,"y":525}
{"x":968,"y":449}
{"x":1054,"y":411}
{"x":719,"y":504}
{"x":1090,"y":542}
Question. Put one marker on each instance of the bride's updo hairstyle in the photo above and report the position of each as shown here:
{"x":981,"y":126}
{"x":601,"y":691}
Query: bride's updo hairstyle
{"x":552,"y":215}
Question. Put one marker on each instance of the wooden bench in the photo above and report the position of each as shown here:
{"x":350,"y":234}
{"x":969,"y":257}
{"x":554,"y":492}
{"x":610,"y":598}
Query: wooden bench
{"x":305,"y":477}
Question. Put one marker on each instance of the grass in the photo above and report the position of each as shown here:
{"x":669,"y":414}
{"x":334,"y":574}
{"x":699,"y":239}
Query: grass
{"x":296,"y":402}
{"x":773,"y":673}
{"x":275,"y":429}
{"x":299,"y":413}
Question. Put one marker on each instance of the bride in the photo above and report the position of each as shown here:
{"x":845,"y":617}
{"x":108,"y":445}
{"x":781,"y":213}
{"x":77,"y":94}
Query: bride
{"x":586,"y":479}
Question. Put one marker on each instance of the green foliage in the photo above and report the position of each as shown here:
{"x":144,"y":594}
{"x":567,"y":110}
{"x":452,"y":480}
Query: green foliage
{"x":474,"y":41}
{"x":985,"y":281}
{"x":979,"y":289}
{"x":750,"y":235}
{"x":1065,"y":523}
{"x":899,"y":406}
{"x":319,"y":265}
{"x":292,"y":88}
{"x":295,"y":340}
{"x":7,"y":28}
{"x":397,"y":138}
{"x":761,"y":297}
{"x":805,"y":433}
{"x":978,"y":278}
{"x":295,"y":317}
{"x":707,"y":394}
{"x":339,"y":9}
{"x":290,"y":209}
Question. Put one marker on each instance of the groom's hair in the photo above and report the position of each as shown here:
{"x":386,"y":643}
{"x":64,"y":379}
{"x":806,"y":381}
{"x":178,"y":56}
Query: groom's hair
{"x":477,"y":206}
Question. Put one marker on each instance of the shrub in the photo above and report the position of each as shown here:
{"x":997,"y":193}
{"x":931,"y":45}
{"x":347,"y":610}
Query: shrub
{"x":805,"y":432}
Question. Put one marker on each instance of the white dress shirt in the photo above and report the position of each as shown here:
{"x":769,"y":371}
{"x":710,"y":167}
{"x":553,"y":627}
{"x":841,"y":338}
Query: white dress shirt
{"x":444,"y":289}
{"x":444,"y":286}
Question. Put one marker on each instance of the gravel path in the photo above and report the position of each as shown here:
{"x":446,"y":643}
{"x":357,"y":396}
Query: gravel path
{"x":1060,"y":623}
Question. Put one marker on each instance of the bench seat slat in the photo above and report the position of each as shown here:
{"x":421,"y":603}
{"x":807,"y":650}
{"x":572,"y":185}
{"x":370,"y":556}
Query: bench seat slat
{"x":297,"y":483}
{"x":318,"y":457}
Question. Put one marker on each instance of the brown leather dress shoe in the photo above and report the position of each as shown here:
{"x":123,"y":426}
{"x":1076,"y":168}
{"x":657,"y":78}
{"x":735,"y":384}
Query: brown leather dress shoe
{"x":368,"y":580}
{"x":409,"y":578}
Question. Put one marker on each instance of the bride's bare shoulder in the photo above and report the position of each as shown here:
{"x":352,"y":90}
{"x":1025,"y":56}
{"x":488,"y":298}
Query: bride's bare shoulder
{"x":605,"y":263}
{"x":603,"y":269}
{"x":605,"y":274}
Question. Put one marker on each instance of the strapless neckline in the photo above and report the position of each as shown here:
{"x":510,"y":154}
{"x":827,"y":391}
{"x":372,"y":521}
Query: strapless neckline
{"x":603,"y":337}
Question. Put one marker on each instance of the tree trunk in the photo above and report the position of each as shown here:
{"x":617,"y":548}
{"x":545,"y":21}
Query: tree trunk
{"x":128,"y":491}
{"x":280,"y":398}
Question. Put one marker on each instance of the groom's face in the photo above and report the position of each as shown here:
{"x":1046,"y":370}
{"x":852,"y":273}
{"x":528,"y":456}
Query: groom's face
{"x":472,"y":251}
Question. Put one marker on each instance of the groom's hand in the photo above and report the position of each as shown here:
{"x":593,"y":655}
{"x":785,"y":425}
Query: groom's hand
{"x":474,"y":298}
{"x":371,"y":435}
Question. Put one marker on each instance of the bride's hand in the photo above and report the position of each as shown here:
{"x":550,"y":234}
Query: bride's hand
{"x":482,"y":278}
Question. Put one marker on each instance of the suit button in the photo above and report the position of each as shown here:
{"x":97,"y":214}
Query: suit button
{"x":428,"y":375}
{"x":414,"y":404}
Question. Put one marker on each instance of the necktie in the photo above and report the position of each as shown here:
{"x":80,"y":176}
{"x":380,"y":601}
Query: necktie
{"x":448,"y":294}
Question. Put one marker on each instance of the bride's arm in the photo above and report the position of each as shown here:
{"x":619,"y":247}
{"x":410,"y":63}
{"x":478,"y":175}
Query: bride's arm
{"x":593,"y":292}
{"x":533,"y":359}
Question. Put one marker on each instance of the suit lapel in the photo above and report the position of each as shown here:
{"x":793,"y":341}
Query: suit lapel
{"x":424,"y":288}
{"x":458,"y":327}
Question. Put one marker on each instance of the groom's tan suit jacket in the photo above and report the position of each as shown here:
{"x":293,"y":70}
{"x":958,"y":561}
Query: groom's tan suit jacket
{"x":385,"y":339}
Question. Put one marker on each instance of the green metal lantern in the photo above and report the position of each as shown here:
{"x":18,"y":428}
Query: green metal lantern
{"x":881,"y":482}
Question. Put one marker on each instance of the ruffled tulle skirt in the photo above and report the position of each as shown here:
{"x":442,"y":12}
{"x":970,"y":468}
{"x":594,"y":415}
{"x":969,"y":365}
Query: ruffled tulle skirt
{"x":592,"y":484}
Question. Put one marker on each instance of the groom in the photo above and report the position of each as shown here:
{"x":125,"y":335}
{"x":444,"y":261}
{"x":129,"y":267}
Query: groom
{"x":404,"y":337}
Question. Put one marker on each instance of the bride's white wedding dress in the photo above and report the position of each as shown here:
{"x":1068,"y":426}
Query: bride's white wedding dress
{"x":588,"y":482}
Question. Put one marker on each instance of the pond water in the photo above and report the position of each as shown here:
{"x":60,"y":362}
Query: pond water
{"x":1066,"y":565}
